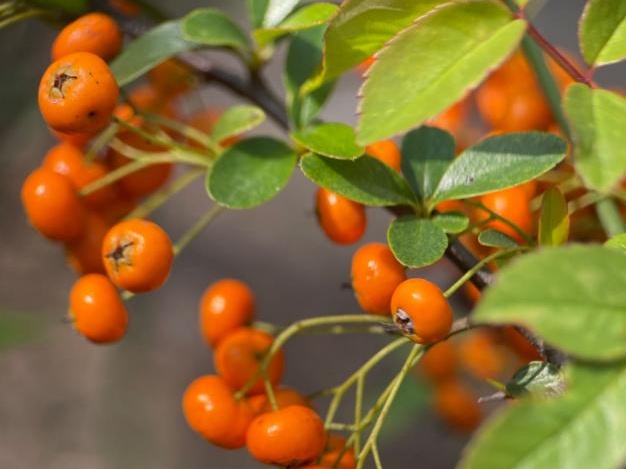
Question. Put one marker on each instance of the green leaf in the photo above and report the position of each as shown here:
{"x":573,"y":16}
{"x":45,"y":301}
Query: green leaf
{"x":451,"y":222}
{"x":598,"y":118}
{"x":211,"y":27}
{"x":306,"y":17}
{"x":496,"y":239}
{"x":617,"y":242}
{"x":303,"y":59}
{"x":416,"y":242}
{"x":361,"y":28}
{"x":586,"y":428}
{"x":148,"y":51}
{"x":251,"y":172}
{"x":365,"y":180}
{"x":554,"y":219}
{"x":269,"y":13}
{"x":573,"y":297}
{"x":538,"y":379}
{"x":500,"y":162}
{"x":426,"y":154}
{"x":236,"y":120}
{"x":432,"y":64}
{"x":332,"y":139}
{"x":602,"y":32}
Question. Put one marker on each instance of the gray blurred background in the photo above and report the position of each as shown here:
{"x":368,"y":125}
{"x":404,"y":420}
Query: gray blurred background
{"x":66,"y":403}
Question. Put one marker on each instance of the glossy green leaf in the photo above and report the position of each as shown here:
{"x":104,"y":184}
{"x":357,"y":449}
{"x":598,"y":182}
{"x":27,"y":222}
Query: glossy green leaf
{"x":617,"y":242}
{"x":431,"y":65}
{"x":597,"y":118}
{"x":586,"y":428}
{"x":496,"y":239}
{"x":573,"y":297}
{"x":602,"y":32}
{"x":251,"y":172}
{"x":148,"y":51}
{"x":269,"y":13}
{"x":361,"y":28}
{"x":451,"y":222}
{"x":416,"y":242}
{"x":211,"y":27}
{"x":500,"y":162}
{"x":256,"y":11}
{"x":332,"y":139}
{"x":365,"y":180}
{"x":539,"y":379}
{"x":554,"y":220}
{"x":426,"y":154}
{"x":306,"y":17}
{"x":236,"y":120}
{"x":303,"y":59}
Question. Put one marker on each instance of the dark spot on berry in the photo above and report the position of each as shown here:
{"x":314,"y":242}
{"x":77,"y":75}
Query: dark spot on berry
{"x":404,"y":322}
{"x":60,"y":80}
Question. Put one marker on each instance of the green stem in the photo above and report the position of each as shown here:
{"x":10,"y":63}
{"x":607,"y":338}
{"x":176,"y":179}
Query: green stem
{"x":610,"y":217}
{"x":190,"y":132}
{"x":163,"y":195}
{"x":410,"y":361}
{"x":377,"y":460}
{"x":358,"y":412}
{"x":114,"y":176}
{"x":173,"y":156}
{"x":269,"y":391}
{"x":583,"y":201}
{"x":101,"y":141}
{"x":197,"y":228}
{"x":33,"y":13}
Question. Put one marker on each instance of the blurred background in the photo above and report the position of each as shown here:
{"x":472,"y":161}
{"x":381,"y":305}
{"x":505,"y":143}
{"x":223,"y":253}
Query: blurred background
{"x":66,"y":403}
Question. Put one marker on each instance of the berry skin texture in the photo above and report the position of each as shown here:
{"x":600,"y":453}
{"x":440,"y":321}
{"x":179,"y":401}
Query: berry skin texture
{"x":421,"y":311}
{"x":83,"y":254}
{"x":211,"y":410}
{"x":512,"y":204}
{"x":239,"y":355}
{"x":225,"y":306}
{"x":343,"y":220}
{"x":386,"y":151}
{"x":457,"y":406}
{"x":96,"y":33}
{"x":137,"y":255}
{"x":288,"y":437}
{"x":52,"y":205}
{"x":440,"y":362}
{"x":97,"y":311}
{"x":375,"y":275}
{"x":77,"y":94}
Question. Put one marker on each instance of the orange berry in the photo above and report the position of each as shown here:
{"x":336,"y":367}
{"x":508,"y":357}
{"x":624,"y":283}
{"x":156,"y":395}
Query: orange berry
{"x":284,"y":398}
{"x":125,"y":7}
{"x":421,"y":311}
{"x":343,"y":220}
{"x":69,"y":161}
{"x":211,"y":410}
{"x":334,"y":450}
{"x":80,"y":141}
{"x":287,"y":437}
{"x":238,"y":358}
{"x":454,"y":119}
{"x":77,"y":94}
{"x":171,"y":78}
{"x":118,"y":208}
{"x":97,"y":311}
{"x":96,"y":33}
{"x":472,"y":293}
{"x":52,"y":205}
{"x":375,"y":275}
{"x":364,"y":66}
{"x":137,"y":255}
{"x":440,"y":362}
{"x":512,"y":204}
{"x":225,"y":306}
{"x":480,"y":355}
{"x":457,"y":406}
{"x":83,"y":254}
{"x":386,"y":151}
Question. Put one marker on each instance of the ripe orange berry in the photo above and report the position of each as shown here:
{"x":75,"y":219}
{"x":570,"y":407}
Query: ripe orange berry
{"x":334,"y":450}
{"x":472,"y":293}
{"x":512,"y":204}
{"x":287,"y":437}
{"x":52,"y":205}
{"x":284,"y":398}
{"x":238,"y":357}
{"x":375,"y":275}
{"x":69,"y":161}
{"x":386,"y":151}
{"x":225,"y":306}
{"x":343,"y":220}
{"x":480,"y":355}
{"x":457,"y":406}
{"x":454,"y":119}
{"x":171,"y":78}
{"x":137,"y":255}
{"x":96,"y":33}
{"x":83,"y":254}
{"x":77,"y":94}
{"x":97,"y":311}
{"x":118,"y":208}
{"x":211,"y":410}
{"x":421,"y":311}
{"x":125,"y":7}
{"x":80,"y":141}
{"x":440,"y":362}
